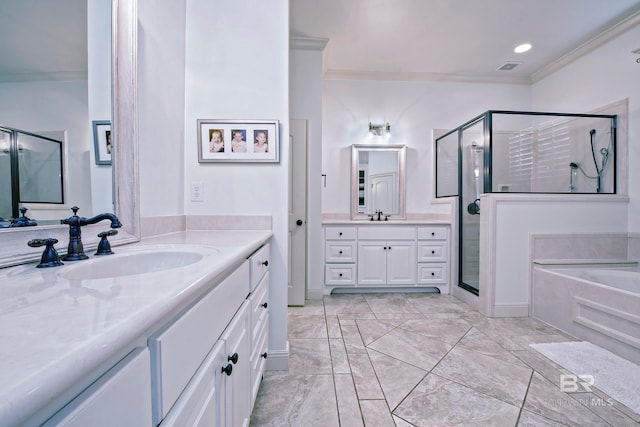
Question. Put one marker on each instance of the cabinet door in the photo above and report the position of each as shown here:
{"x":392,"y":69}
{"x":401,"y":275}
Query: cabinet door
{"x":401,"y":262}
{"x":237,"y":385}
{"x":372,"y":263}
{"x":120,"y":397}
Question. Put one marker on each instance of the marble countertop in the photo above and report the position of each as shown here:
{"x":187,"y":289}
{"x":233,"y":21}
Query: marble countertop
{"x":389,"y":222}
{"x":57,"y":334}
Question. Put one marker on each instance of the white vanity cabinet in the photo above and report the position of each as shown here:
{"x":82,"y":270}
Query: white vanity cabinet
{"x":433,"y":257}
{"x":340,"y":256}
{"x":387,"y":255}
{"x":122,"y":397}
{"x":202,"y":364}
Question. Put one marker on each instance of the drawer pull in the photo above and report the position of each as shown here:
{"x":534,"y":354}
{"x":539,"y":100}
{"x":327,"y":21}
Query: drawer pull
{"x":264,"y":355}
{"x":385,"y":248}
{"x":433,"y":252}
{"x":227,"y":369}
{"x":433,"y":234}
{"x":340,"y":274}
{"x":265,"y":305}
{"x":340,"y":252}
{"x":233,"y":358}
{"x":433,"y":274}
{"x":265,"y":263}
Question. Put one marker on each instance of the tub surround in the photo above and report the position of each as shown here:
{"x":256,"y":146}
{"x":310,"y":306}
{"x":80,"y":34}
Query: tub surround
{"x":59,"y":335}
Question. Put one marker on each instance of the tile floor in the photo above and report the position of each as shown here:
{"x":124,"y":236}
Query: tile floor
{"x":421,"y":360}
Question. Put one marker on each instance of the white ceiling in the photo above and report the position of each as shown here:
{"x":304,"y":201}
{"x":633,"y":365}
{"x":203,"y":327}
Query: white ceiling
{"x":456,"y":39}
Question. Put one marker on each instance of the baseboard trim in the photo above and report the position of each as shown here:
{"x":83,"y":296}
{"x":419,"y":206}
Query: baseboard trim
{"x":511,"y":311}
{"x":278,"y":360}
{"x":315,"y":294}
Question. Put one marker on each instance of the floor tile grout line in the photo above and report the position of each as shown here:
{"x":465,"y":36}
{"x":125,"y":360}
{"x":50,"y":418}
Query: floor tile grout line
{"x":526,"y":393}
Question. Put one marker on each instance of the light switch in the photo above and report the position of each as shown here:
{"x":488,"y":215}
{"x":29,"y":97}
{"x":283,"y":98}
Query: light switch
{"x":197,"y":191}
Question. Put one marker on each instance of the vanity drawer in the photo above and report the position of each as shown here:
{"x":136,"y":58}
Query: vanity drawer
{"x":259,"y":265}
{"x":432,"y":273}
{"x":432,"y":251}
{"x":340,"y":252}
{"x":340,"y":233}
{"x":432,"y":233}
{"x":259,"y":302}
{"x":340,"y":274}
{"x":178,"y":350}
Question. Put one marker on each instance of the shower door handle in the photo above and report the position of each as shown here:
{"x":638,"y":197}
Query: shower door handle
{"x":474,"y":207}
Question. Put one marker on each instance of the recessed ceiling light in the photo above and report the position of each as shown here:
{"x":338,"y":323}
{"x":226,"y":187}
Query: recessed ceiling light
{"x":522,"y":48}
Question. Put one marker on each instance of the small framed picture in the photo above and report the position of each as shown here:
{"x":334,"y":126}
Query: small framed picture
{"x":239,"y":141}
{"x":102,"y":141}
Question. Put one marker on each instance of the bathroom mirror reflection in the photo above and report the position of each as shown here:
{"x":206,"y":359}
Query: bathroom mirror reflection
{"x":118,"y":19}
{"x":54,"y":79}
{"x":378,"y":182}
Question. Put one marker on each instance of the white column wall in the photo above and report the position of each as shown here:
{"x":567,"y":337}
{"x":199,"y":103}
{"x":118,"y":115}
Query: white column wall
{"x":305,"y":97}
{"x":237,"y":67}
{"x":161,"y":75}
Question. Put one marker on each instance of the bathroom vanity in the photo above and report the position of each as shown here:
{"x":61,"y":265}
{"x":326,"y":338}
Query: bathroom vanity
{"x":172,"y":330}
{"x":386,"y":254}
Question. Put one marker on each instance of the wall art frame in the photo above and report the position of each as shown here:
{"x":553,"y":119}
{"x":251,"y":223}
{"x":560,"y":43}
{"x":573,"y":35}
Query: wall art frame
{"x":238,"y":141}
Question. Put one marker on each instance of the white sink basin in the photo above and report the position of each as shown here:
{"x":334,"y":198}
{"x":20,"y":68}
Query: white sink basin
{"x":141,"y":260}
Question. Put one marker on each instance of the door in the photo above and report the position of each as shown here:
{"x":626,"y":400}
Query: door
{"x":401,"y":263}
{"x":383,"y":193}
{"x":297,"y":271}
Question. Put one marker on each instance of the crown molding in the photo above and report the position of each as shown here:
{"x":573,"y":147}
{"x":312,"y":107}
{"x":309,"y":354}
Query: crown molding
{"x":423,"y":77}
{"x":587,"y":47}
{"x":307,"y":43}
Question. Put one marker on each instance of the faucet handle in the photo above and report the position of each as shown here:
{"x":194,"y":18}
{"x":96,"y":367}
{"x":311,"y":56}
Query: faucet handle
{"x":75,"y":210}
{"x":104,"y":247}
{"x":50,"y":256}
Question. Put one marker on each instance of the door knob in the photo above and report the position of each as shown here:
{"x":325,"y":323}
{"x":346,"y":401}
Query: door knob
{"x":299,"y":222}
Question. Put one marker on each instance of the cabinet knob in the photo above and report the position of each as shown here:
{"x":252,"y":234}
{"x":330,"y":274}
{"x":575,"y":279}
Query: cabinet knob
{"x":433,"y":252}
{"x":433,"y":274}
{"x":340,"y":233}
{"x":389,"y":247}
{"x":265,"y":305}
{"x":264,"y":355}
{"x":233,"y":358}
{"x":340,"y":274}
{"x":340,"y":252}
{"x":433,"y":233}
{"x":227,"y":369}
{"x":385,"y":248}
{"x":265,"y":263}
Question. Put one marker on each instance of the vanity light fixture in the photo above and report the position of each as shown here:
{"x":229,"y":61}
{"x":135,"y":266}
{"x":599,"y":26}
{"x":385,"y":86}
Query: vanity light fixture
{"x":379,"y":130}
{"x":522,"y":48}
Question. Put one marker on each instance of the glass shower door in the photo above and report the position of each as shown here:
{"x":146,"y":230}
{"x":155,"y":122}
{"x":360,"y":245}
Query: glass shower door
{"x":472,"y":145}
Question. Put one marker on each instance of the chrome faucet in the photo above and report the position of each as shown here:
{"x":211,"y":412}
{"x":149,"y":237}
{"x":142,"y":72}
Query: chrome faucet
{"x":75,"y":251}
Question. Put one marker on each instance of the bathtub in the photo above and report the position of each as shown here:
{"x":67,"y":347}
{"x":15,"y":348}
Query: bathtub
{"x":593,"y":303}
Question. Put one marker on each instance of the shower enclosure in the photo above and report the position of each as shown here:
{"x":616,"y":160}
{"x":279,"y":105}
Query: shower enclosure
{"x":525,"y":153}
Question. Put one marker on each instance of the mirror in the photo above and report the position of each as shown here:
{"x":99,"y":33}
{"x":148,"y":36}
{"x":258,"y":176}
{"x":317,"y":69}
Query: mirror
{"x":378,"y":181}
{"x":13,"y":242}
{"x":54,"y":78}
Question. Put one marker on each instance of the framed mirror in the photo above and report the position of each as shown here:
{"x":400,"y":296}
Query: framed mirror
{"x":378,"y":181}
{"x":13,"y":241}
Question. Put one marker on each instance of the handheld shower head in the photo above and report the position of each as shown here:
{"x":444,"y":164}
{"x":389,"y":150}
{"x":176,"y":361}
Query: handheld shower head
{"x":573,"y":165}
{"x":592,"y":132}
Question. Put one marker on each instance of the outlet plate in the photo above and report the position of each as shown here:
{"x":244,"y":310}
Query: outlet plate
{"x":197,"y":191}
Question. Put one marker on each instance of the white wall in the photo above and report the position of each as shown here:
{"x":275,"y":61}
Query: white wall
{"x":237,"y":67}
{"x":413,"y":109}
{"x":610,"y":73}
{"x":161,"y":86}
{"x":305,"y":102}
